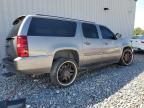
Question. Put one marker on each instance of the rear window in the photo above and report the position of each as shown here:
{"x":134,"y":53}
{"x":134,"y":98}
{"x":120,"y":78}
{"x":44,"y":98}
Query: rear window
{"x":52,"y":27}
{"x":141,"y":37}
{"x":16,"y":25}
{"x":14,"y":29}
{"x":138,"y":37}
{"x":135,"y":37}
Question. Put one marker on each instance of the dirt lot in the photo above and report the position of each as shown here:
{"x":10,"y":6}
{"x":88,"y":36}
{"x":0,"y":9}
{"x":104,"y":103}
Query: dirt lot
{"x":111,"y":86}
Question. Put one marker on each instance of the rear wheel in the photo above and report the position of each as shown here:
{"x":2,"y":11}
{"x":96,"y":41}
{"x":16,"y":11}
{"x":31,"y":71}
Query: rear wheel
{"x":64,"y":72}
{"x":127,"y":57}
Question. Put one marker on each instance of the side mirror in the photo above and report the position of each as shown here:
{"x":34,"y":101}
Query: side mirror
{"x":117,"y":36}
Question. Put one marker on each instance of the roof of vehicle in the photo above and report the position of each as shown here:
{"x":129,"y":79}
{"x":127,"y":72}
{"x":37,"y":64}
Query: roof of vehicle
{"x":64,"y":18}
{"x":50,"y":16}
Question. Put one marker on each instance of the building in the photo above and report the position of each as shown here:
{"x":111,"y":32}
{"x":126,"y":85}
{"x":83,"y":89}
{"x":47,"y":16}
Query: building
{"x":116,"y":14}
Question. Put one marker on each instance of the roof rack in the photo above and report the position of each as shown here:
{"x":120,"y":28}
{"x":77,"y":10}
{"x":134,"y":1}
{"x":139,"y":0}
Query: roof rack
{"x":64,"y":18}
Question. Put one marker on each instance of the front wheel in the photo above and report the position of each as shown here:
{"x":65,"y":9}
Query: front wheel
{"x":127,"y":57}
{"x":64,"y":72}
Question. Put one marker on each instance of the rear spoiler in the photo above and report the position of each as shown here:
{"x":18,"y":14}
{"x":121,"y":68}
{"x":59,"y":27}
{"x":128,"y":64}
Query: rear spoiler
{"x":16,"y":21}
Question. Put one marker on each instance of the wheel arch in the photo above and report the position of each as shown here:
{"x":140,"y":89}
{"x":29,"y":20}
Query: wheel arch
{"x":66,"y":53}
{"x":127,"y":47}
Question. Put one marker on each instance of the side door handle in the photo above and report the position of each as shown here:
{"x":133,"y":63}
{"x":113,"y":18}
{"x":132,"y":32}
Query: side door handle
{"x":87,"y":43}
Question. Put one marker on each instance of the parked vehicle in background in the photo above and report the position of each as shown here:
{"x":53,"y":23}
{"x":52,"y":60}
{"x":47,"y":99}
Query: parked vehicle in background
{"x":137,"y":43}
{"x":60,"y":46}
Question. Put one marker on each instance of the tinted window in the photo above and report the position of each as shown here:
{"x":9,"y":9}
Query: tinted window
{"x":89,"y":30}
{"x":141,"y":37}
{"x":51,"y":27}
{"x":106,"y":33}
{"x":16,"y":25}
{"x":14,"y":30}
{"x":138,"y":37}
{"x":135,"y":37}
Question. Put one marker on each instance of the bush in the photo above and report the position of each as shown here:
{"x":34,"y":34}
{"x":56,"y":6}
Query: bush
{"x":138,"y":31}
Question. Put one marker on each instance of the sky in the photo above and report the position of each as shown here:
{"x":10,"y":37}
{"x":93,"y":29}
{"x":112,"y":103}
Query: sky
{"x":139,"y":19}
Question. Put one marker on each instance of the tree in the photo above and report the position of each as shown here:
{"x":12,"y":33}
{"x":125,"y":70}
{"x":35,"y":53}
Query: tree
{"x":138,"y":31}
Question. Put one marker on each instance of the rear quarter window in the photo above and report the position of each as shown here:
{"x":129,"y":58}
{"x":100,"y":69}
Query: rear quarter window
{"x":51,"y":27}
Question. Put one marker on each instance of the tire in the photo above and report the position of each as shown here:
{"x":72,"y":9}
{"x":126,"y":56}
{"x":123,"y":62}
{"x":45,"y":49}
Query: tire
{"x":127,"y":57}
{"x":64,"y":72}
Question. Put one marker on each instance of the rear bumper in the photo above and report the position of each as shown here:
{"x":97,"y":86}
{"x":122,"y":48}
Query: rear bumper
{"x":33,"y":65}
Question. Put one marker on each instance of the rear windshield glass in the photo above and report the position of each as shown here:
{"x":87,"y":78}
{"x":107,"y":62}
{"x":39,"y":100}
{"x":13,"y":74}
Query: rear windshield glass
{"x":16,"y":26}
{"x":135,"y":37}
{"x":52,"y":27}
{"x":14,"y":30}
{"x":138,"y":37}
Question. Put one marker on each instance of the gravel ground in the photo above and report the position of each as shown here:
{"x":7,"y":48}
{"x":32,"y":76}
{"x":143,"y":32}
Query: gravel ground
{"x":112,"y":86}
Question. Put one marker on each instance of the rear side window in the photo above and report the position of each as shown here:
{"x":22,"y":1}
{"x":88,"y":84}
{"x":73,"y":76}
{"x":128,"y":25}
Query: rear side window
{"x":106,"y":33}
{"x":89,"y":30}
{"x":52,"y":27}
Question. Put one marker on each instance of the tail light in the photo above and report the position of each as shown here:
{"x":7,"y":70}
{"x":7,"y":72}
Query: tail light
{"x":22,"y":46}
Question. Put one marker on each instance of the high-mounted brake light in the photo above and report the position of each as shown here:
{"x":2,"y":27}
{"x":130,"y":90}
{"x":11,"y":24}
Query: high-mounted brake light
{"x":22,"y":46}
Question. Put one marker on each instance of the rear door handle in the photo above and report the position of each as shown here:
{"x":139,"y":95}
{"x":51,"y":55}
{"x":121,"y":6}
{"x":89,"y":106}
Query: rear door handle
{"x":87,"y":43}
